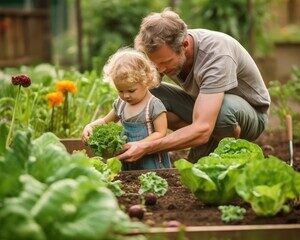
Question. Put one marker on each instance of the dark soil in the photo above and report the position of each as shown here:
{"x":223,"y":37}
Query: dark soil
{"x":180,"y":204}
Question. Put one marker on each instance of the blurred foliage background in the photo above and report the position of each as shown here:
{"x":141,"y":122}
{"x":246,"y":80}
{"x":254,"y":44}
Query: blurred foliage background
{"x":86,"y":32}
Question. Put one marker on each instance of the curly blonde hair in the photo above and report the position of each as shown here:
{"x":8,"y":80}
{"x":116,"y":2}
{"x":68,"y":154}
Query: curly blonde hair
{"x":162,"y":28}
{"x":132,"y":66}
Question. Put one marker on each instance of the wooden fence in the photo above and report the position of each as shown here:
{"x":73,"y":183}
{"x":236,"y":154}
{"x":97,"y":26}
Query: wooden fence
{"x":24,"y":36}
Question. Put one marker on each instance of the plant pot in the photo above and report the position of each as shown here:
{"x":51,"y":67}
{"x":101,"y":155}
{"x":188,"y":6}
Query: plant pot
{"x":74,"y":144}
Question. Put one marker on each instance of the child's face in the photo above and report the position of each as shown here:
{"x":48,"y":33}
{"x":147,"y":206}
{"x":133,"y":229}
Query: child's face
{"x":132,"y":93}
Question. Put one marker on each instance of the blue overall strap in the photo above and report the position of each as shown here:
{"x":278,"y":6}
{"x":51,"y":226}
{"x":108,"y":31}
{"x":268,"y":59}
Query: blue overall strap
{"x":150,"y":127}
{"x":121,"y":109}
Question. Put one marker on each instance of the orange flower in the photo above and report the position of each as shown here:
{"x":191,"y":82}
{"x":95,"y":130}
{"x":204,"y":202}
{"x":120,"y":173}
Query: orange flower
{"x":66,"y":86}
{"x":55,"y":98}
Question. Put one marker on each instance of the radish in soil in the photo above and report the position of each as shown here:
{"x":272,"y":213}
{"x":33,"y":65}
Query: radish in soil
{"x":150,"y":199}
{"x":136,"y":211}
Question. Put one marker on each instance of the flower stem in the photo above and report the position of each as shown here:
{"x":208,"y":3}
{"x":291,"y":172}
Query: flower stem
{"x":65,"y":111}
{"x":13,"y":118}
{"x":51,"y":120}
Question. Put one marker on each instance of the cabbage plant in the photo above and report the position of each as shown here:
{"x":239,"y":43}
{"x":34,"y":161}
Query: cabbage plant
{"x":47,"y":193}
{"x":212,"y":179}
{"x":267,"y":185}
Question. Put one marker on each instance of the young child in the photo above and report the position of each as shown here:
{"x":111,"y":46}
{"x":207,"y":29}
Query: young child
{"x":142,"y":115}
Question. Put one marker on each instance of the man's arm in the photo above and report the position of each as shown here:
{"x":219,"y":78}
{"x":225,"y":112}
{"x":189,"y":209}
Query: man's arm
{"x":205,"y":113}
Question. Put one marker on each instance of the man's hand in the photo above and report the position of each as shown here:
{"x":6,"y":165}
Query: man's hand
{"x":133,"y":151}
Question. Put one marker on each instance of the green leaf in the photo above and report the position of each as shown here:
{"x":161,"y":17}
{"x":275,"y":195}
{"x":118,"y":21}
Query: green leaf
{"x":107,"y":139}
{"x":213,"y":178}
{"x":73,"y":209}
{"x":14,"y":164}
{"x":3,"y":134}
{"x":267,"y":185}
{"x":231,"y":213}
{"x":114,"y":165}
{"x":31,"y":192}
{"x":150,"y":182}
{"x":17,"y":223}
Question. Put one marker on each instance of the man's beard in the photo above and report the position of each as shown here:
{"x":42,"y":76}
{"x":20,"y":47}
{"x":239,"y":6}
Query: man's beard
{"x":179,"y":68}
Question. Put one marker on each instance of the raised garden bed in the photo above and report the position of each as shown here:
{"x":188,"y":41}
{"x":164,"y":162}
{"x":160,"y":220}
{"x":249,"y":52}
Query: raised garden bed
{"x":204,"y":222}
{"x":75,"y":144}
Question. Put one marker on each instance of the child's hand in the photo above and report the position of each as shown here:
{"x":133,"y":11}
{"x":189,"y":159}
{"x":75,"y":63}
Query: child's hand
{"x":87,"y":131}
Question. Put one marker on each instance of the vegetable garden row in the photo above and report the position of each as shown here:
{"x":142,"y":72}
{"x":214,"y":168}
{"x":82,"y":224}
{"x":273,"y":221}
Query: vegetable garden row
{"x":47,"y":192}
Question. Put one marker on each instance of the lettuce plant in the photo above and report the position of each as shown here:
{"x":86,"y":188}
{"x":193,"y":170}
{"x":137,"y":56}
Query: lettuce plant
{"x":212,"y":179}
{"x":238,"y":148}
{"x":47,"y":193}
{"x":231,"y":213}
{"x":150,"y":182}
{"x":267,"y":185}
{"x":107,"y":139}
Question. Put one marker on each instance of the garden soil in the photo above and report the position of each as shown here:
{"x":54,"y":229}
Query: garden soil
{"x":180,"y":204}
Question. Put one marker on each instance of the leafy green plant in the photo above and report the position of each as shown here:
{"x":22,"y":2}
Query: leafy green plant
{"x":109,"y":171}
{"x":212,"y":179}
{"x":231,"y":213}
{"x":152,"y":183}
{"x":107,"y":139}
{"x":238,"y":148}
{"x":285,"y":98}
{"x":267,"y":185}
{"x":47,"y":193}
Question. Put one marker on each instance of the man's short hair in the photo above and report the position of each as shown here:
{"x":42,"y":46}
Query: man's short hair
{"x":162,"y":28}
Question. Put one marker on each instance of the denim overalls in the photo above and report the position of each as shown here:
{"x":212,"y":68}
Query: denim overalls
{"x":136,"y":131}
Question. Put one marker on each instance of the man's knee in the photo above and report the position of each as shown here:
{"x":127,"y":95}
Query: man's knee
{"x":237,"y":118}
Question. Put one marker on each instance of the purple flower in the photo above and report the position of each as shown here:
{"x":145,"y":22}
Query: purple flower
{"x":22,"y":80}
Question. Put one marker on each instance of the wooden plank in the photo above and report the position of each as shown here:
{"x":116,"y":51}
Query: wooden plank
{"x":245,"y":232}
{"x":25,"y":38}
{"x":18,"y":61}
{"x":29,"y":13}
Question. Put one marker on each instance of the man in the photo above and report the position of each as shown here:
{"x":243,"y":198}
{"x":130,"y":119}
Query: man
{"x":222,"y":92}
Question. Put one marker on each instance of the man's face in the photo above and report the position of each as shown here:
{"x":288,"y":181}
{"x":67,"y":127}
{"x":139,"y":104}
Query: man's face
{"x":167,"y":61}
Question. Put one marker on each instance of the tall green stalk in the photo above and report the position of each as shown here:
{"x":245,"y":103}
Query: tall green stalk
{"x":13,"y":118}
{"x":51,"y":128}
{"x":66,"y":111}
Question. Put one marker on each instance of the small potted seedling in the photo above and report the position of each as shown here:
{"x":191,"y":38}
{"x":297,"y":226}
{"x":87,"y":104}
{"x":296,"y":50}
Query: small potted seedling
{"x":107,"y":139}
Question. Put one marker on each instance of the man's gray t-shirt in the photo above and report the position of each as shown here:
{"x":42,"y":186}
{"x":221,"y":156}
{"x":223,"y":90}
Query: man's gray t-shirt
{"x":221,"y":64}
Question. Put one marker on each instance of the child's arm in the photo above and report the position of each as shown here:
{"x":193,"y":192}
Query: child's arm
{"x":88,"y":129}
{"x":160,"y":128}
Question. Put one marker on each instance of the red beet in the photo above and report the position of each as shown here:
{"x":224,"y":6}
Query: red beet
{"x":150,"y":199}
{"x":136,"y":211}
